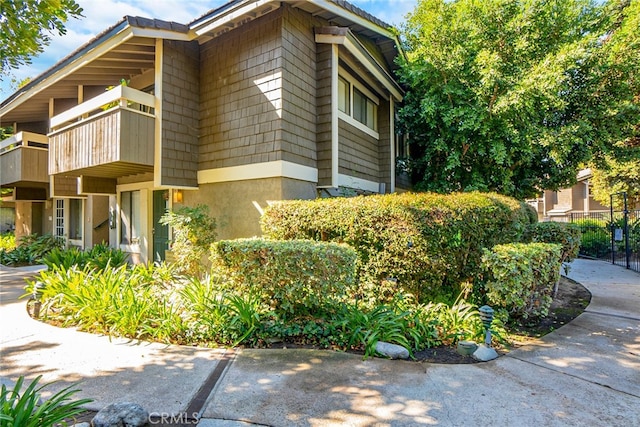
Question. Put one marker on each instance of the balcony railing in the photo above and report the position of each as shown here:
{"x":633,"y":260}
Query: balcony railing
{"x":119,"y":96}
{"x":110,"y":135}
{"x":23,"y":160}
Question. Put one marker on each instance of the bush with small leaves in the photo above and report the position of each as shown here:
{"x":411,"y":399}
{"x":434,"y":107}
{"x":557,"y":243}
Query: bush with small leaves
{"x":565,"y":234}
{"x":427,"y":244}
{"x":521,"y":277}
{"x":300,"y":277}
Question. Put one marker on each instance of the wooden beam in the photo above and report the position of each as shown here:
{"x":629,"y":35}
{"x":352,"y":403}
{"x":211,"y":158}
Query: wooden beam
{"x":96,"y":185}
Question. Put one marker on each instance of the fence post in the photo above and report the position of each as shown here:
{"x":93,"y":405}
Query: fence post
{"x":612,"y":231}
{"x":627,"y":247}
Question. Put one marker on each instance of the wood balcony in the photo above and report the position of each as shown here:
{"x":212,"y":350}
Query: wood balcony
{"x":23,"y":161}
{"x":109,"y":136}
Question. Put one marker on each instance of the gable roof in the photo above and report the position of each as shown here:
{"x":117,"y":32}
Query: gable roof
{"x":129,"y":47}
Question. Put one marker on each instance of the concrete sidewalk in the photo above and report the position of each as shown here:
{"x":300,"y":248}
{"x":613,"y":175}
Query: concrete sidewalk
{"x":161,"y":378}
{"x":584,"y":373}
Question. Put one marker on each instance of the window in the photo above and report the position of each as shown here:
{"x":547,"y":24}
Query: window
{"x":365,"y":110}
{"x":130,"y":217}
{"x":402,"y":146}
{"x":357,"y":105}
{"x":75,"y":219}
{"x":59,"y":216}
{"x":344,"y":98}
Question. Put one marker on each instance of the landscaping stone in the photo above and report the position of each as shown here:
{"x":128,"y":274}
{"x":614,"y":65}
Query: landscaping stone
{"x":81,"y":425}
{"x":466,"y":348}
{"x":392,"y":351}
{"x":122,"y":414}
{"x":485,"y":353}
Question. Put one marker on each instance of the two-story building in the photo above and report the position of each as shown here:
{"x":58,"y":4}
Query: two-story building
{"x":577,"y":199}
{"x":256,"y":101}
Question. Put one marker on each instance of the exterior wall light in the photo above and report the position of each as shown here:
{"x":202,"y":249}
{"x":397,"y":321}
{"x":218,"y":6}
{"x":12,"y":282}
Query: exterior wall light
{"x":177,"y":196}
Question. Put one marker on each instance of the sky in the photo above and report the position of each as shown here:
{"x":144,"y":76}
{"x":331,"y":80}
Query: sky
{"x":102,"y":14}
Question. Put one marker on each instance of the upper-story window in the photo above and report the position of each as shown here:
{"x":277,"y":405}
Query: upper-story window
{"x":365,"y":110}
{"x":344,"y":96}
{"x":357,"y":105}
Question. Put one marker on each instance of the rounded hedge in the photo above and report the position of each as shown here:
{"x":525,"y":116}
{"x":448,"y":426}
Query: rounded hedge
{"x":426,"y":243}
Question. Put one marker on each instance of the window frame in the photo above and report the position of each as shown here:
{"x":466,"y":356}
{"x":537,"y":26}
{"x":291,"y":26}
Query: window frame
{"x":130,"y":218}
{"x":58,"y":216}
{"x":371,"y":100}
{"x":76,"y":215}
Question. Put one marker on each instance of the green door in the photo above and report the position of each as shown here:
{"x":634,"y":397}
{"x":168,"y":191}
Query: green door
{"x":160,"y":232}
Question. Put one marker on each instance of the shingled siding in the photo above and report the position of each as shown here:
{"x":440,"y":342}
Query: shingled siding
{"x":359,"y":155}
{"x":298,"y":88}
{"x":180,"y":113}
{"x":241,"y":95}
{"x":384,"y":158}
{"x":323,"y":119}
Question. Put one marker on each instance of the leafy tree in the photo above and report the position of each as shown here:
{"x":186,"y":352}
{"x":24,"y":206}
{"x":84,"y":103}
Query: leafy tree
{"x":5,"y":132}
{"x":514,"y":96}
{"x":26,"y":27}
{"x":615,"y":177}
{"x":620,"y":58}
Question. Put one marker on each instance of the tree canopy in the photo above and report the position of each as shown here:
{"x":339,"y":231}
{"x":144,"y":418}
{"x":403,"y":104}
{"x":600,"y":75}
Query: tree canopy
{"x":617,"y":176}
{"x":516,"y":96}
{"x":26,"y":27}
{"x":619,"y":171}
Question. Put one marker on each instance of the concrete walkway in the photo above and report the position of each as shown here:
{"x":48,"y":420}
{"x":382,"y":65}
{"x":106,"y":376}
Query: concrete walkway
{"x":585,"y":373}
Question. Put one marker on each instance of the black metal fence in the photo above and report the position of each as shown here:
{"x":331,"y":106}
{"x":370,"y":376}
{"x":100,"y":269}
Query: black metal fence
{"x":613,"y":236}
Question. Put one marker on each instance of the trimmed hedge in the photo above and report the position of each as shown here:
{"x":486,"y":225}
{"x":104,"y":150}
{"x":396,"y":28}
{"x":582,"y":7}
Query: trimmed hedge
{"x":298,"y":277}
{"x":521,"y":277}
{"x":565,"y":234}
{"x":428,"y":243}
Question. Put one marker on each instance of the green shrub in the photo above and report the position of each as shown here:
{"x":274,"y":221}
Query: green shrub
{"x":118,"y":301}
{"x":565,"y":234}
{"x":65,"y":258}
{"x":633,"y":227}
{"x":595,"y":245}
{"x":27,"y":408}
{"x":428,"y":243}
{"x":521,"y":277}
{"x":293,"y":277}
{"x":596,"y":237}
{"x":634,"y":236}
{"x":193,"y":233}
{"x":30,"y":250}
{"x":586,"y":224}
{"x":100,"y":256}
{"x":7,"y":241}
{"x":531,"y":212}
{"x":148,"y":302}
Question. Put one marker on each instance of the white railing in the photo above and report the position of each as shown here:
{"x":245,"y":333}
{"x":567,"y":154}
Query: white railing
{"x":24,"y":139}
{"x":119,"y":96}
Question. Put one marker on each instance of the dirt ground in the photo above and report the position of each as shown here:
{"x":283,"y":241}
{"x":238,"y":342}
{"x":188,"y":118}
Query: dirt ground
{"x":570,"y":302}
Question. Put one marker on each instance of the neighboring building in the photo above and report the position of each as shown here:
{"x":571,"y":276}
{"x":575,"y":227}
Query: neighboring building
{"x":254,"y":102}
{"x":558,"y":205}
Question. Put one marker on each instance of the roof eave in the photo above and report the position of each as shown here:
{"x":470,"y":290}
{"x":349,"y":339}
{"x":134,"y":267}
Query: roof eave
{"x":118,"y":34}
